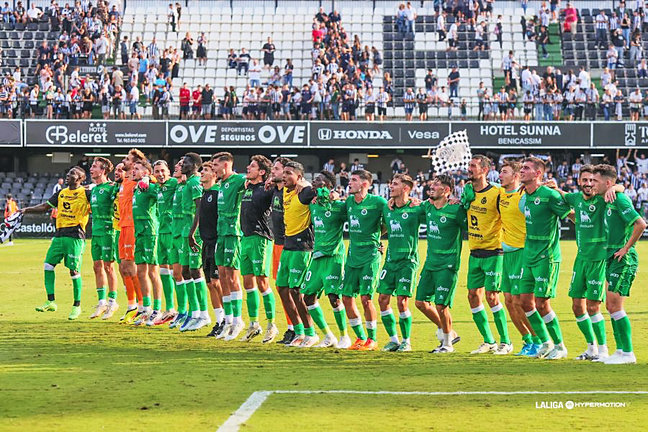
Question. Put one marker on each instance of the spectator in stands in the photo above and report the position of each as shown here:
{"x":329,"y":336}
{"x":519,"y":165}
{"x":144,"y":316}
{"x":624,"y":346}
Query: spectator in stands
{"x":409,"y":101}
{"x":571,"y":19}
{"x":612,"y":56}
{"x":20,"y":14}
{"x":268,"y":53}
{"x":619,"y":45}
{"x":642,"y":69}
{"x":401,"y":19}
{"x":618,"y":105}
{"x":636,"y":102}
{"x":543,"y":41}
{"x":636,"y":48}
{"x":453,"y":82}
{"x":7,"y":13}
{"x":10,"y":207}
{"x":593,"y":99}
{"x":410,"y":16}
{"x":243,"y":62}
{"x":34,"y":13}
{"x":452,"y":37}
{"x":207,"y":101}
{"x":201,"y":51}
{"x":602,"y":25}
{"x":171,"y":18}
{"x":330,"y":165}
{"x":187,"y":47}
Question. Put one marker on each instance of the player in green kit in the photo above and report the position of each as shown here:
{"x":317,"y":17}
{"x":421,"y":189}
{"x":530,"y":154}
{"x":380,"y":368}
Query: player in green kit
{"x":543,"y":208}
{"x":177,"y":221}
{"x":146,"y":228}
{"x":166,"y":190}
{"x":102,"y":198}
{"x":324,"y":274}
{"x":445,"y":223}
{"x":228,"y":245}
{"x":365,"y":217}
{"x":587,"y":288}
{"x":401,"y":264}
{"x":191,"y":258}
{"x":625,"y":227}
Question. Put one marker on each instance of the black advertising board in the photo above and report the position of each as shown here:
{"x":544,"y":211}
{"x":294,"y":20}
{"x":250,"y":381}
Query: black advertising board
{"x":95,"y":134}
{"x":237,"y":134}
{"x":541,"y":135}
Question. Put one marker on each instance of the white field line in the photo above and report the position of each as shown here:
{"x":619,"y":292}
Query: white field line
{"x":256,"y":399}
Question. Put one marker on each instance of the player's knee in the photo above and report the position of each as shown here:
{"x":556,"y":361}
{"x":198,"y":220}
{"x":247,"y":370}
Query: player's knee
{"x":383,"y":301}
{"x":108,"y":267}
{"x":366,"y":301}
{"x":334,"y":300}
{"x":310,"y":299}
{"x":441,"y":308}
{"x":593,"y":309}
{"x":420,"y":305}
{"x":97,"y":266}
{"x":74,"y":273}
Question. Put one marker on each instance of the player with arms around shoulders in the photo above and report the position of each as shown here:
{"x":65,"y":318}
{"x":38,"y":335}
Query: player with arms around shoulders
{"x":176,"y":251}
{"x":324,"y":273}
{"x":445,"y":224}
{"x":102,"y":198}
{"x":73,"y":204}
{"x":542,"y":208}
{"x":625,"y":227}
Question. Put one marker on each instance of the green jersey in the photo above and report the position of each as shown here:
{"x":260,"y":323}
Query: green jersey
{"x":591,"y":235}
{"x":620,"y":217}
{"x":365,"y":221}
{"x":444,"y":235}
{"x":542,"y":211}
{"x":165,"y":196}
{"x":192,"y":191}
{"x":102,"y":199}
{"x":403,"y":225}
{"x":229,"y":205}
{"x":177,"y":218}
{"x":328,"y":223}
{"x":145,"y":210}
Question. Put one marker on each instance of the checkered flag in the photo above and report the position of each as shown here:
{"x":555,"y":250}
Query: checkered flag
{"x":9,"y":225}
{"x":451,"y":154}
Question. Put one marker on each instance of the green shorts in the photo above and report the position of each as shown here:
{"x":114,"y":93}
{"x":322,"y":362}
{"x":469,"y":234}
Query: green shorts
{"x":361,"y":280}
{"x":116,"y":243}
{"x":165,"y":248}
{"x":324,"y":274}
{"x":66,"y":249}
{"x":189,"y":257}
{"x":485,"y":272}
{"x":228,"y":251}
{"x":398,"y":278}
{"x":437,"y":286}
{"x":512,"y":272}
{"x":103,"y":247}
{"x":146,"y":249}
{"x":621,"y":274}
{"x":588,"y":280}
{"x":256,"y":255}
{"x":292,"y":268}
{"x":540,"y":279}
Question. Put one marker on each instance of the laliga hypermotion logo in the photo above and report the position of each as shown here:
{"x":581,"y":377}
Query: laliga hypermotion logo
{"x":59,"y":134}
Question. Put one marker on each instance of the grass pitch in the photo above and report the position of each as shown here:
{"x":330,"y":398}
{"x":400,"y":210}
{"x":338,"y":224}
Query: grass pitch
{"x":86,"y":376}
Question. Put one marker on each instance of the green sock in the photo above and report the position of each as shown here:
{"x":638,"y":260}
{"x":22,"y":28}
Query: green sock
{"x":112,"y":295}
{"x":481,"y":320}
{"x":536,"y":340}
{"x":315,"y":311}
{"x":309,"y":331}
{"x":389,"y":321}
{"x":340,"y":319}
{"x":527,"y":338}
{"x":252,"y":296}
{"x":269,"y":304}
{"x":405,"y":324}
{"x":76,"y":287}
{"x":371,"y":330}
{"x":190,"y":287}
{"x":237,"y":303}
{"x":50,"y":278}
{"x":585,"y":325}
{"x":227,"y":305}
{"x":356,"y":326}
{"x":146,"y":301}
{"x":202,"y":293}
{"x":598,"y":325}
{"x":617,"y":336}
{"x":499,"y":316}
{"x":539,"y":327}
{"x":101,"y":293}
{"x":167,"y":286}
{"x":157,"y":304}
{"x":299,"y":328}
{"x":553,"y":327}
{"x":625,"y":333}
{"x":181,"y":292}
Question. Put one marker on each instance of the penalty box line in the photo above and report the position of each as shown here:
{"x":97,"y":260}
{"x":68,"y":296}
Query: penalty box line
{"x":256,"y":399}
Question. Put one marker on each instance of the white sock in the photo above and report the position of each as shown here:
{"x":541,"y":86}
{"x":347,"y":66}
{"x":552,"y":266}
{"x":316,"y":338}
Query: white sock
{"x":219,"y":313}
{"x":291,"y":327}
{"x":229,"y":318}
{"x":406,"y":340}
{"x":205,"y":315}
{"x":103,"y":302}
{"x":447,"y":340}
{"x":111,"y":300}
{"x":393,"y":339}
{"x":195,"y":314}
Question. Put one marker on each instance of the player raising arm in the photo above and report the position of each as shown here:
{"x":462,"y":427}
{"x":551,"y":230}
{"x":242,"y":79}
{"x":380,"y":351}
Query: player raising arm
{"x":625,"y":227}
{"x":543,"y":208}
{"x":73,"y":204}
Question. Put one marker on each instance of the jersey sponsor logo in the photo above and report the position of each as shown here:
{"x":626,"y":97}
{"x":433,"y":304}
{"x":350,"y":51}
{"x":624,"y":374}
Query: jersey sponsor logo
{"x":395,"y":226}
{"x":527,"y":212}
{"x":355,"y":222}
{"x":584,"y":217}
{"x":434,"y":228}
{"x":595,"y":282}
{"x":484,"y":200}
{"x":404,"y":280}
{"x":318,"y":222}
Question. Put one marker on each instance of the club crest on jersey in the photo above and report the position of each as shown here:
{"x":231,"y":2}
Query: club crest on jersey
{"x":209,"y":198}
{"x":404,"y":215}
{"x":484,"y":200}
{"x":443,"y":219}
{"x":609,"y":212}
{"x":226,"y":185}
{"x":363,"y":212}
{"x":327,"y":213}
{"x":536,"y":201}
{"x":101,"y":191}
{"x":592,"y":208}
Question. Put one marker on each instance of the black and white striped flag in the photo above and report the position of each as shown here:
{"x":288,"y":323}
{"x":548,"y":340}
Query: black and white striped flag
{"x":453,"y":153}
